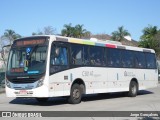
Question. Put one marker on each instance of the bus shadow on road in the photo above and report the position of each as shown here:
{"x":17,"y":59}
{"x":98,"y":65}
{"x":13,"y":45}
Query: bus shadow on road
{"x":62,"y":100}
{"x":145,"y":92}
{"x":33,"y":101}
{"x":106,"y":96}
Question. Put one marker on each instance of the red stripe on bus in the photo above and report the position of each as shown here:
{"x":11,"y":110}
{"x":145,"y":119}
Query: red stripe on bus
{"x":110,"y":46}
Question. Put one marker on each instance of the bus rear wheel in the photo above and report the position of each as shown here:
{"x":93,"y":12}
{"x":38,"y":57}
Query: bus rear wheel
{"x":133,"y":89}
{"x":42,"y":100}
{"x":75,"y":95}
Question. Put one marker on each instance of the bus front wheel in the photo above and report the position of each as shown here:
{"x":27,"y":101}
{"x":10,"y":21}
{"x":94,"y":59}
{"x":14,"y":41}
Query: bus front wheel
{"x":75,"y":95}
{"x":133,"y":89}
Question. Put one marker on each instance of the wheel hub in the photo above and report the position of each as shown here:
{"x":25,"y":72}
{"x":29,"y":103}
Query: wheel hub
{"x":76,"y":94}
{"x":133,"y":89}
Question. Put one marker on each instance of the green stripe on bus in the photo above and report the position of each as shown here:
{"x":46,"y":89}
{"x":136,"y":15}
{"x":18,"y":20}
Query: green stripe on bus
{"x":88,"y":42}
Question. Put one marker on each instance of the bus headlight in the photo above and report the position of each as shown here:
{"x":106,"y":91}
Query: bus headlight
{"x":7,"y":83}
{"x":40,"y":82}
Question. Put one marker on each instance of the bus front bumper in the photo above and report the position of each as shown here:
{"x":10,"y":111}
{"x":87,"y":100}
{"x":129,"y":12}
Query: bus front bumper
{"x":36,"y":92}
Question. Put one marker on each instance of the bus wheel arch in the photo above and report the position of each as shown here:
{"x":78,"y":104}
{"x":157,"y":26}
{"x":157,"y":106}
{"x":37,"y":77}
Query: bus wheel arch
{"x":77,"y":89}
{"x":133,"y":88}
{"x":81,"y":84}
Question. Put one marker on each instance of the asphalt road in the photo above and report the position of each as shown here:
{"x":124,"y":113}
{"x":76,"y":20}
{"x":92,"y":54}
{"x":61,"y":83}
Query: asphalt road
{"x":148,"y":100}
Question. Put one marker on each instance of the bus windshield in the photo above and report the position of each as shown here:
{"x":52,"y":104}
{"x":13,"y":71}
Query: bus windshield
{"x":27,"y":60}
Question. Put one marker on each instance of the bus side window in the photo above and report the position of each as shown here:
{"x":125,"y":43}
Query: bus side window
{"x":76,"y":54}
{"x":79,"y":54}
{"x":58,"y":58}
{"x":114,"y":57}
{"x":140,"y":61}
{"x":85,"y":55}
{"x":127,"y":59}
{"x":97,"y":56}
{"x":150,"y":60}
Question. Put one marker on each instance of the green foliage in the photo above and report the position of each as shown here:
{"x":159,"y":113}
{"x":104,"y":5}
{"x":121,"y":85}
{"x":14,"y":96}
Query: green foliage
{"x":68,"y":30}
{"x":37,"y":33}
{"x":11,"y":35}
{"x":149,"y":31}
{"x":120,"y":34}
{"x":78,"y":31}
{"x":150,"y":38}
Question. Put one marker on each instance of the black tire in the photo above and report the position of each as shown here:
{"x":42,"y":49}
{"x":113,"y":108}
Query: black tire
{"x":42,"y":100}
{"x":75,"y":95}
{"x":133,"y":89}
{"x":82,"y":89}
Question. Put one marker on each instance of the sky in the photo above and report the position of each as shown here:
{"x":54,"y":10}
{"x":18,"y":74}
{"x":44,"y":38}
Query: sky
{"x":97,"y":16}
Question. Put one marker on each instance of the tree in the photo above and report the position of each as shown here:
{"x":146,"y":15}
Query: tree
{"x":1,"y":43}
{"x":48,"y":30}
{"x":149,"y":31}
{"x":149,"y":38}
{"x":87,"y":35}
{"x":11,"y":35}
{"x":78,"y":31}
{"x":120,"y":34}
{"x":68,"y":30}
{"x":37,"y":33}
{"x":157,"y":39}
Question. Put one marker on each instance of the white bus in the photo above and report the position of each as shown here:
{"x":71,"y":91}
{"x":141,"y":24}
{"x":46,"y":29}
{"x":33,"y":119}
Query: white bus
{"x":51,"y":66}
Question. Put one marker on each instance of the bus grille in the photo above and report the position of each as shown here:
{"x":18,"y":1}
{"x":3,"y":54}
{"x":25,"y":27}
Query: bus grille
{"x":23,"y":80}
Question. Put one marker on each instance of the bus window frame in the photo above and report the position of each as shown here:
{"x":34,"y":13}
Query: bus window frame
{"x":155,"y":60}
{"x":60,"y":44}
{"x":103,"y":56}
{"x":71,"y":65}
{"x":107,"y":56}
{"x":82,"y":65}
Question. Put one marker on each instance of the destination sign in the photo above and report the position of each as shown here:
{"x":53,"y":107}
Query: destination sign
{"x":17,"y":70}
{"x":29,"y":42}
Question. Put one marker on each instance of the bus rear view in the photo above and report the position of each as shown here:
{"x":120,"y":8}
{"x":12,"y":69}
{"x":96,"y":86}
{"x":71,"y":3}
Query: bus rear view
{"x":27,"y":68}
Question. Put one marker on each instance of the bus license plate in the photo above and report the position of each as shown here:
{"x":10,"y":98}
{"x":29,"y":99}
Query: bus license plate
{"x":23,"y":92}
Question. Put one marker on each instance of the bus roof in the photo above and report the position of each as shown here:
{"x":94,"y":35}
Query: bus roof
{"x":102,"y":43}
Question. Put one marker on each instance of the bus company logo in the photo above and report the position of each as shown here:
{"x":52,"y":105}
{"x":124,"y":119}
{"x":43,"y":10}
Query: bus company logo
{"x":21,"y":114}
{"x":6,"y":114}
{"x":131,"y":74}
